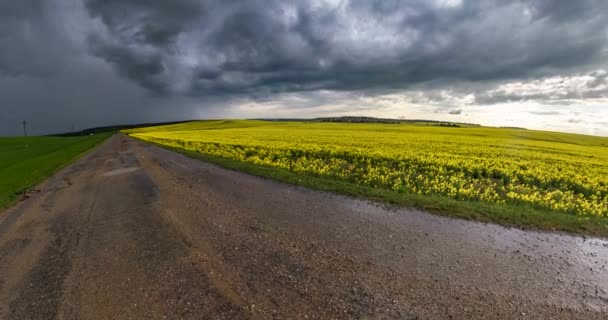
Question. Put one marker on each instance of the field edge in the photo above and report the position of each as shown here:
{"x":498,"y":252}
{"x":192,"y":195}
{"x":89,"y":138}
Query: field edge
{"x":42,"y":179}
{"x":517,"y":216}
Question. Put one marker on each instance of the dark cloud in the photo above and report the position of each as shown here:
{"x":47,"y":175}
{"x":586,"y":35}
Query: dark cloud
{"x":49,"y":78}
{"x":455,"y":112}
{"x":21,"y":26}
{"x":96,"y":62}
{"x":218,"y":47}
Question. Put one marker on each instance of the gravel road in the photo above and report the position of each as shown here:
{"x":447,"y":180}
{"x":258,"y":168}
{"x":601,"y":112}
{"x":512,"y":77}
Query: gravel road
{"x":133,"y":231}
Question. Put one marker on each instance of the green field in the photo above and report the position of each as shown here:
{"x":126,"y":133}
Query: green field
{"x":27,"y":161}
{"x":518,"y":177}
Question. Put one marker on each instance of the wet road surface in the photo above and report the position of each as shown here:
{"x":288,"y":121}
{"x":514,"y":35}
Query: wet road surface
{"x":133,"y":231}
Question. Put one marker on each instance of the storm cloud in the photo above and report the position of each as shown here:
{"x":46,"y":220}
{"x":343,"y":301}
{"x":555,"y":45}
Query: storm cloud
{"x":216,"y":47}
{"x":131,"y":60}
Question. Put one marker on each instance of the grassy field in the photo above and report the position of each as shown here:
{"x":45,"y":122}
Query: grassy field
{"x":518,"y":177}
{"x":27,"y":161}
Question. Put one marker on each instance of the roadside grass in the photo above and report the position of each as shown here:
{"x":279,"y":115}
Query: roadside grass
{"x":27,"y":161}
{"x":515,"y":215}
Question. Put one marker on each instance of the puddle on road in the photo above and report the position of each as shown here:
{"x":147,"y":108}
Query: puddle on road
{"x":120,"y":171}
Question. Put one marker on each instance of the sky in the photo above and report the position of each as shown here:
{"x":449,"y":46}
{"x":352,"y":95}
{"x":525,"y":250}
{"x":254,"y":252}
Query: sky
{"x":71,"y":64}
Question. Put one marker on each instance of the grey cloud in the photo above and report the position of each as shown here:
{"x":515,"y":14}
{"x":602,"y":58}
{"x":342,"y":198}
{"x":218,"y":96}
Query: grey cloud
{"x":560,"y":90}
{"x":20,"y":26}
{"x":219,"y":47}
{"x":97,"y":62}
{"x":599,"y":78}
{"x":48,"y":77}
{"x":455,"y":111}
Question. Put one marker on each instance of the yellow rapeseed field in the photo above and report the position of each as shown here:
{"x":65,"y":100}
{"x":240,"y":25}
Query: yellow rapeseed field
{"x":561,"y":172}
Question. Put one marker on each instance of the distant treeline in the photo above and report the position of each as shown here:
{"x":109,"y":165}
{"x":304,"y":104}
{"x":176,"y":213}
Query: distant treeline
{"x":447,"y":124}
{"x":357,"y":120}
{"x":351,"y":119}
{"x":114,"y":128}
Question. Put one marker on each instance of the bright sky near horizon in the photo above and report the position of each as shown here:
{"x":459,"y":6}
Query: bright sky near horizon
{"x":72,"y":64}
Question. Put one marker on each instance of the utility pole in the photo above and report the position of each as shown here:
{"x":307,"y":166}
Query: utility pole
{"x":24,"y":128}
